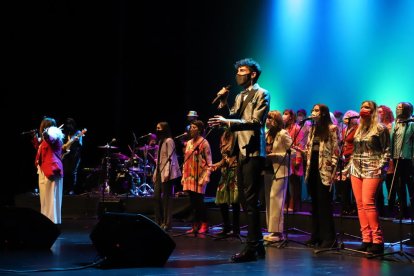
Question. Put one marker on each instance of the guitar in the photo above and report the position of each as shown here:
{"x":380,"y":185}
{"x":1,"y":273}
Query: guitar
{"x":66,"y":146}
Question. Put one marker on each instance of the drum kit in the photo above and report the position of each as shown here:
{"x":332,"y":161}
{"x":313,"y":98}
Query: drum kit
{"x":128,"y":175}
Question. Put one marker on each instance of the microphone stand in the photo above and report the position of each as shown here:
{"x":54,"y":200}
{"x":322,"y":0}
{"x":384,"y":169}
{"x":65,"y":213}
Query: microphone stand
{"x":400,"y":252}
{"x":196,"y":148}
{"x":341,"y":234}
{"x":135,"y":178}
{"x":286,"y":241}
{"x":106,"y":162}
{"x":145,"y":188}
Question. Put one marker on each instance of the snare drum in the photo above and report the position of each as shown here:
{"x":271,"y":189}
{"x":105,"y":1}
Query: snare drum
{"x":135,"y":164}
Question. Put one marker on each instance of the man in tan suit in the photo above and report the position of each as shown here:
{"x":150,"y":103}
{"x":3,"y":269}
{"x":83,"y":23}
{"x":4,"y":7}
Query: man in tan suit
{"x":247,"y":120}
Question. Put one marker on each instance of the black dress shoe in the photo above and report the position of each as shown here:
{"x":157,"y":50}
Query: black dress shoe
{"x":244,"y":256}
{"x":364,"y":246}
{"x":250,"y":252}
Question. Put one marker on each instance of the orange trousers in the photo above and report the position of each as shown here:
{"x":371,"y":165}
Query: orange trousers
{"x":365,"y":190}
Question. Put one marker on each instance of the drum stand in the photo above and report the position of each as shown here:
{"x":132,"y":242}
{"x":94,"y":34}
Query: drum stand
{"x":105,"y":185}
{"x":145,"y":189}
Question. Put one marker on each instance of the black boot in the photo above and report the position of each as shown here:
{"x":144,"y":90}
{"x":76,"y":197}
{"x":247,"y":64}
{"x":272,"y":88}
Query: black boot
{"x":260,"y":250}
{"x":312,"y":243}
{"x":236,"y":218}
{"x":364,"y":246}
{"x":376,"y":248}
{"x":224,"y":210}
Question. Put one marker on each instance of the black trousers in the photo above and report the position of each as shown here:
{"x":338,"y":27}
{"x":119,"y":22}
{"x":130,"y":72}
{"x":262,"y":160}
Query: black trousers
{"x":250,"y":181}
{"x":323,"y":228}
{"x":197,"y":204}
{"x":225,"y":214}
{"x":70,"y":171}
{"x":401,"y":181}
{"x":163,"y":203}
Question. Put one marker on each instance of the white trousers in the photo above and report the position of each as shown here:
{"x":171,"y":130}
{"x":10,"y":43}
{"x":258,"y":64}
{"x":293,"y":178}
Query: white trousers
{"x":50,"y":193}
{"x":275,"y":194}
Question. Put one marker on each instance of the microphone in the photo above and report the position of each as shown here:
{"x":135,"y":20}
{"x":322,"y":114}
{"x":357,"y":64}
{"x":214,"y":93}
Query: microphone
{"x":112,"y":141}
{"x":181,"y":135}
{"x":306,"y":119}
{"x":146,"y":135}
{"x":406,"y":121}
{"x":352,"y":117}
{"x":221,"y":95}
{"x":29,"y":132}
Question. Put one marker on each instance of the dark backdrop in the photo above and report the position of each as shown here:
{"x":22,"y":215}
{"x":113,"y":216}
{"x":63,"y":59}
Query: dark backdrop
{"x":117,"y":67}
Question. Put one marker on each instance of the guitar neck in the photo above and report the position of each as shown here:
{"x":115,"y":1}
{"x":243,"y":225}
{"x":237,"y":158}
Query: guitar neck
{"x":73,"y":139}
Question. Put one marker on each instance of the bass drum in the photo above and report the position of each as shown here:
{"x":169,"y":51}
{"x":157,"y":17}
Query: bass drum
{"x":124,"y":182}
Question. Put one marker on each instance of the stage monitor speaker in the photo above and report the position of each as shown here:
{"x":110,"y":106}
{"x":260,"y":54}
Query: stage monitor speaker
{"x":26,"y":228}
{"x":132,"y":240}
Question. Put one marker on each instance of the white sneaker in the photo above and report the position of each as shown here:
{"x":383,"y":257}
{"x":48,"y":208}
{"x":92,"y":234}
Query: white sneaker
{"x":273,"y":237}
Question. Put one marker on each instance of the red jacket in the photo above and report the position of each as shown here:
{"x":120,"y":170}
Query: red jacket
{"x":48,"y":156}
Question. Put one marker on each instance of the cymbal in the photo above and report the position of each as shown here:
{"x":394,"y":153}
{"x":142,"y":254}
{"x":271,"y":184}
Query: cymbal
{"x":107,"y":147}
{"x":148,"y":147}
{"x":120,"y":156}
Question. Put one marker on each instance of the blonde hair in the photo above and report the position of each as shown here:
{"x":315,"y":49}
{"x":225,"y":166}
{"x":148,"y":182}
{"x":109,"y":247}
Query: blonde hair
{"x":370,"y":125}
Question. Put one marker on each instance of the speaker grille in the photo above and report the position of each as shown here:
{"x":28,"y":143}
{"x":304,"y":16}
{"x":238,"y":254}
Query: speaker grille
{"x":126,"y":239}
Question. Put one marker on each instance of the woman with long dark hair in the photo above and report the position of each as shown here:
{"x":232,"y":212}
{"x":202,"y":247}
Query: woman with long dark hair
{"x":167,"y":171}
{"x":322,"y":157}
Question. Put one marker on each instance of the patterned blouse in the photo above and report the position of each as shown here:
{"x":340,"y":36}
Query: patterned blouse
{"x":196,"y":167}
{"x":371,"y":154}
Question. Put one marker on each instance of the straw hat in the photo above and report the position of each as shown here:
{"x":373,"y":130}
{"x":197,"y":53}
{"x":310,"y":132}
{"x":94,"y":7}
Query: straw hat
{"x":192,"y":113}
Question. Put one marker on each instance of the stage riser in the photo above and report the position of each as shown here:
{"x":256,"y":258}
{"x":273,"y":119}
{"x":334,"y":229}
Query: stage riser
{"x":74,"y":207}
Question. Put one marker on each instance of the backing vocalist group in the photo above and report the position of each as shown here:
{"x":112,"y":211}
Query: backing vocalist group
{"x":271,"y":151}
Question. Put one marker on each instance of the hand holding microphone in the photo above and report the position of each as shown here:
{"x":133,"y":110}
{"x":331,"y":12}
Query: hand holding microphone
{"x":222,"y":94}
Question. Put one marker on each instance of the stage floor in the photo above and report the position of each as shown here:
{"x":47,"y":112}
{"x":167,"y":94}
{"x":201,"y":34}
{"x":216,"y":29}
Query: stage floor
{"x":73,"y":253}
{"x":93,"y":205}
